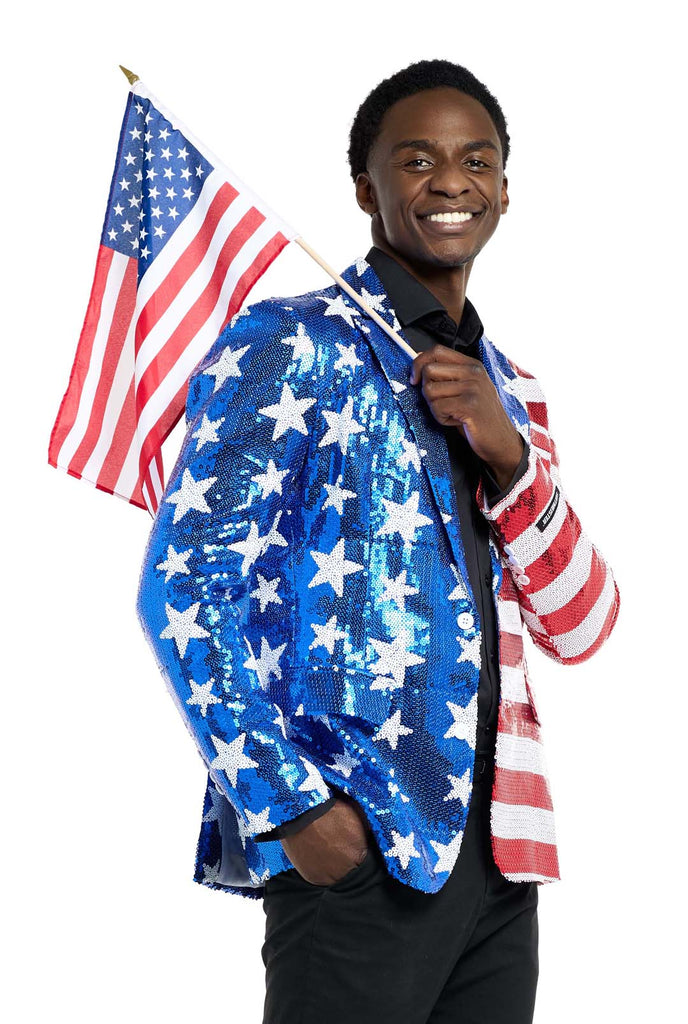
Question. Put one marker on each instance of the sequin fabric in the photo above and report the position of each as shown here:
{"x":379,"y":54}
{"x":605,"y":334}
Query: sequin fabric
{"x":305,"y":593}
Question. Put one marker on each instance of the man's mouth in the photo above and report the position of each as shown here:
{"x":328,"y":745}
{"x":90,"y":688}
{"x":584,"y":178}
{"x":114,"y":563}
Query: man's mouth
{"x":458,"y":222}
{"x":449,"y":218}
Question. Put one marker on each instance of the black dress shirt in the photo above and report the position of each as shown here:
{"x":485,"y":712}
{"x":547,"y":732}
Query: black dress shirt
{"x":426,"y":322}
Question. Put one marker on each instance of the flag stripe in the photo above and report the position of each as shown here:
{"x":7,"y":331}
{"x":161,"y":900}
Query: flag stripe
{"x":522,"y":821}
{"x":513,"y":683}
{"x":540,"y":858}
{"x":525,"y":788}
{"x":105,"y":389}
{"x":510,"y":649}
{"x":519,"y":753}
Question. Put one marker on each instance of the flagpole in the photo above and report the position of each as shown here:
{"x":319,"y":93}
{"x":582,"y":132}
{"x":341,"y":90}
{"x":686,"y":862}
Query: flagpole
{"x":357,"y":298}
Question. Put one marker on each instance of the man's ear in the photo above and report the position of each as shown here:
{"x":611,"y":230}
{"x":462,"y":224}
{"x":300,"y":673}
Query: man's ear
{"x":505,"y":194}
{"x":365,"y":196}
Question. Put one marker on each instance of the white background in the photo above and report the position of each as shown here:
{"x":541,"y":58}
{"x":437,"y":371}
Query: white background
{"x":582,"y":285}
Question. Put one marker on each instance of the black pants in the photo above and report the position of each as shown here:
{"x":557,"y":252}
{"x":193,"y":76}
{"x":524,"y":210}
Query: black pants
{"x":372,"y":950}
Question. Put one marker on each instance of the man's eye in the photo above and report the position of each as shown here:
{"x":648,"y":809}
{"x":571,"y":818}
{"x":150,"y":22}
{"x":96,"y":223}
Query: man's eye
{"x":418,"y":159}
{"x":474,"y":160}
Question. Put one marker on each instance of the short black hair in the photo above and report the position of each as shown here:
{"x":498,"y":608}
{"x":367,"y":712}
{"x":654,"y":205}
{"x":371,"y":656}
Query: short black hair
{"x":424,"y":74}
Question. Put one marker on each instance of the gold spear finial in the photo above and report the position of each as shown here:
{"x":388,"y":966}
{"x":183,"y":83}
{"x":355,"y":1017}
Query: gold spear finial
{"x":131,"y":77}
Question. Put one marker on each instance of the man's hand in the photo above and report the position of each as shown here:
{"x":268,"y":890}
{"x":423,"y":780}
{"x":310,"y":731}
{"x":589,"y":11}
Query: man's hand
{"x":328,"y":848}
{"x":460,"y":394}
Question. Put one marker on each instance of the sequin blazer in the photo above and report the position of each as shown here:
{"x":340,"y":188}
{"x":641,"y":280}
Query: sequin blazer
{"x":304,"y":590}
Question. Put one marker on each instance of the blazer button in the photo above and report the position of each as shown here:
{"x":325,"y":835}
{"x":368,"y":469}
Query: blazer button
{"x":465,"y":620}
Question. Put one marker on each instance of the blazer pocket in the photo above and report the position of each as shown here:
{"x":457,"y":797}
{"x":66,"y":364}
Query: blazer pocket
{"x":335,"y":689}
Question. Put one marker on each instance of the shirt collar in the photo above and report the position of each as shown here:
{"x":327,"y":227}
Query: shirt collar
{"x":413,"y":302}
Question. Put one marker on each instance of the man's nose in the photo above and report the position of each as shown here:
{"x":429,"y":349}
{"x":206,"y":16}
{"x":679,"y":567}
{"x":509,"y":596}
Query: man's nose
{"x":450,"y":178}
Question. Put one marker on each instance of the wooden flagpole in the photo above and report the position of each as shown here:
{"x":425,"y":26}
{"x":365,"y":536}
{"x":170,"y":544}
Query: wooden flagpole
{"x":357,"y":298}
{"x":132,"y":78}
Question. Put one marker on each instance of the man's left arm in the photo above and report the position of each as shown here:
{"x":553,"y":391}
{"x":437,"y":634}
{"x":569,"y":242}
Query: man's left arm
{"x":567,"y":593}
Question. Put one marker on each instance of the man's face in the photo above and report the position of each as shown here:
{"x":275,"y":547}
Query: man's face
{"x":425,"y":160}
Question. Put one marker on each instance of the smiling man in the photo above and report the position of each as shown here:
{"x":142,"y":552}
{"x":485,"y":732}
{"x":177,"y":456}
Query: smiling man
{"x":337,"y":585}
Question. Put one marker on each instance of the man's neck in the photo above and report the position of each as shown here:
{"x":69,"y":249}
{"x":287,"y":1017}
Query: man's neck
{"x":447,"y":284}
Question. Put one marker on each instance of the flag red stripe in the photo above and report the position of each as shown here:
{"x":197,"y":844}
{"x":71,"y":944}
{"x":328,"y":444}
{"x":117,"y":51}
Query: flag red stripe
{"x":69,"y":406}
{"x":523,"y":788}
{"x":158,"y":434}
{"x":189,"y":261}
{"x":518,"y":719}
{"x":510,"y":650}
{"x":519,"y":856}
{"x":537,"y":413}
{"x":540,"y":440}
{"x":119,"y":447}
{"x":121,"y":321}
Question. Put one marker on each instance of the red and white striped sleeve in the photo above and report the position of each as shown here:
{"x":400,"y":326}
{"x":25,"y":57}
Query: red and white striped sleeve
{"x":567,"y":594}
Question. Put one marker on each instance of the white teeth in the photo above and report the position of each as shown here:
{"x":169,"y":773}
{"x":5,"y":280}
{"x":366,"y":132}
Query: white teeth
{"x":450,"y":218}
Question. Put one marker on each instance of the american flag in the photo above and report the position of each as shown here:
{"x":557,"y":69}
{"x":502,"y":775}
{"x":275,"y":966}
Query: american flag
{"x":184,"y":241}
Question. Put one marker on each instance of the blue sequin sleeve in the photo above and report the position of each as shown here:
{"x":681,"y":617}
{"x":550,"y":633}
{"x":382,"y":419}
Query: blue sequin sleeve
{"x":216,"y":584}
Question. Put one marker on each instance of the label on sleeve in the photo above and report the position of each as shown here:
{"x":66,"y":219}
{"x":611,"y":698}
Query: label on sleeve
{"x":546,"y":517}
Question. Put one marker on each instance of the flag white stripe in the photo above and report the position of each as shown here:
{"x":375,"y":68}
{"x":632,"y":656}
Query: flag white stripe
{"x":510,"y":616}
{"x":113,"y":286}
{"x":129,"y":473}
{"x":155,"y":480}
{"x":513,"y":684}
{"x":528,"y":389}
{"x":521,"y":821}
{"x":519,"y":754}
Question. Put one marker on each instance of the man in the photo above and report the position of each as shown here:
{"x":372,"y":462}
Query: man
{"x":336,"y":586}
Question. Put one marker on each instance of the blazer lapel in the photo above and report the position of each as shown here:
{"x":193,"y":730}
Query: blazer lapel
{"x":396,"y":366}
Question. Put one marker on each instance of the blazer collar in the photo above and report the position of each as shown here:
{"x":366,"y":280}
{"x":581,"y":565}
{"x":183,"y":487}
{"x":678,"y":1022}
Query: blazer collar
{"x":396,"y":364}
